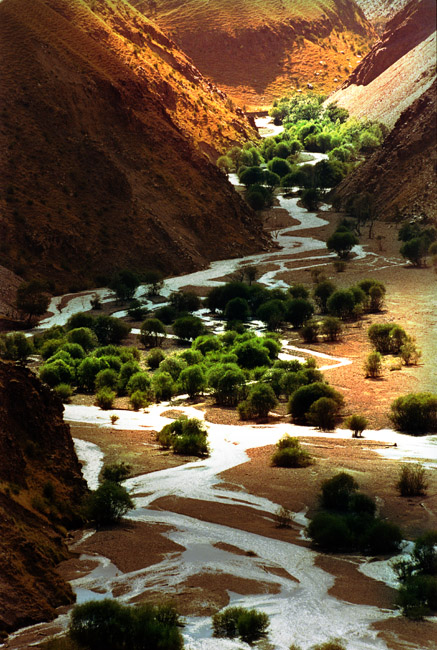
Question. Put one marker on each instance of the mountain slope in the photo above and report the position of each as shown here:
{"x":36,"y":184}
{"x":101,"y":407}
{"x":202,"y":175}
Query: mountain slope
{"x":257,"y":49}
{"x":398,"y":69}
{"x":401,"y":174}
{"x":40,"y":489}
{"x":104,"y":128}
{"x":380,"y":11}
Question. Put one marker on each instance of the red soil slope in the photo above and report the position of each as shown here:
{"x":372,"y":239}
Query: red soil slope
{"x":104,"y":126}
{"x":256,"y":50}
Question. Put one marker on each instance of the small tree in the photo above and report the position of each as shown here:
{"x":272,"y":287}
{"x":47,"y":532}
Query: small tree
{"x":116,"y":472}
{"x":248,"y":625}
{"x":322,"y":292}
{"x":357,"y":424}
{"x":412,"y":480}
{"x":331,"y":328}
{"x":109,"y":503}
{"x":415,"y":413}
{"x":153,"y":281}
{"x":342,"y":243}
{"x":323,"y":414}
{"x":188,"y":327}
{"x":260,"y":401}
{"x":373,"y":365}
{"x":298,"y":311}
{"x":124,"y":284}
{"x":32,"y":299}
{"x":16,"y":347}
{"x":152,"y":333}
{"x":341,"y":304}
{"x":192,"y":380}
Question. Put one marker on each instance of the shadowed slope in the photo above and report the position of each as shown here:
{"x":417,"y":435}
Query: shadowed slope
{"x":104,"y":125}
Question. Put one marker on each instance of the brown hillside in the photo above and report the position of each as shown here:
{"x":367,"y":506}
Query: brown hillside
{"x":40,"y":490}
{"x":256,"y":50}
{"x":103,"y":127}
{"x":401,"y":174}
{"x":399,"y":68}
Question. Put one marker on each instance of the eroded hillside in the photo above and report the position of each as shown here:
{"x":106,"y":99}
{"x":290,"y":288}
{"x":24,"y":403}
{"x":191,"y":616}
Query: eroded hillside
{"x":380,"y":11}
{"x":40,"y":492}
{"x":399,"y":68}
{"x":257,"y":50}
{"x":104,"y":130}
{"x":401,"y":174}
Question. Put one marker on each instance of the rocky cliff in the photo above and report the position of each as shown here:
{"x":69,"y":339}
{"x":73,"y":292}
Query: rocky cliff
{"x":106,"y":129}
{"x":401,"y":175}
{"x":399,"y":68}
{"x":40,"y":492}
{"x":257,"y":50}
{"x":379,"y":12}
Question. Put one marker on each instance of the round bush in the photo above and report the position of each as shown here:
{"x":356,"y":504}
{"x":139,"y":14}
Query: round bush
{"x":57,"y":373}
{"x":140,"y":381}
{"x":105,"y":398}
{"x":107,"y":378}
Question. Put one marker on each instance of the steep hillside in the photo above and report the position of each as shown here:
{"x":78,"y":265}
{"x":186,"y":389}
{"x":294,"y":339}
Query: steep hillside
{"x":256,"y":49}
{"x":103,"y":131}
{"x":40,"y":490}
{"x":380,"y":11}
{"x":401,"y":175}
{"x":398,"y":69}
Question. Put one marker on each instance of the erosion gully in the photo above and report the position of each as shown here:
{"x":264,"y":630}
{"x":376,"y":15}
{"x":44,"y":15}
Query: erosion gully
{"x":302,"y":612}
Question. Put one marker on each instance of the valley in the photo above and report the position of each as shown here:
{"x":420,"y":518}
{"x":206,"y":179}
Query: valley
{"x":226,"y":317}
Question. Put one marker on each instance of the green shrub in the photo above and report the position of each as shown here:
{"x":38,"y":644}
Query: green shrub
{"x":331,"y":328}
{"x":139,"y":381}
{"x":330,"y":532}
{"x":50,"y":347}
{"x":261,"y":399}
{"x":56,"y":373}
{"x":84,"y":337}
{"x":152,"y":333}
{"x":154,"y":358}
{"x":387,"y":338}
{"x":248,"y":625}
{"x":128,"y":369}
{"x":192,"y":380}
{"x":291,"y":457}
{"x":87,"y":372}
{"x":109,"y":625}
{"x":192,"y":357}
{"x":108,"y":504}
{"x":163,"y":386}
{"x":334,"y":644}
{"x":75,"y":350}
{"x":173,"y":365}
{"x":310,"y":332}
{"x":412,"y":480}
{"x":227,"y":381}
{"x":252,"y":354}
{"x":138,"y":399}
{"x":415,"y":413}
{"x":107,"y":378}
{"x":16,"y":346}
{"x":357,"y":424}
{"x":298,"y":311}
{"x":373,"y":365}
{"x":304,"y":397}
{"x":337,"y":491}
{"x":341,"y":304}
{"x":323,"y":414}
{"x":185,"y":436}
{"x":188,"y":327}
{"x":64,"y":392}
{"x":116,"y":472}
{"x":105,"y":398}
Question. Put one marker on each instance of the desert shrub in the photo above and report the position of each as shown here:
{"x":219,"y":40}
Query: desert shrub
{"x":105,"y":398}
{"x":110,"y":330}
{"x":185,"y":301}
{"x":248,"y":625}
{"x":64,"y":392}
{"x":322,"y":292}
{"x":50,"y":347}
{"x":108,"y":504}
{"x":84,"y":337}
{"x":79,"y":320}
{"x":303,"y":398}
{"x":309,"y":332}
{"x":298,"y":311}
{"x":154,"y":358}
{"x":336,"y":492}
{"x":152,"y":333}
{"x":272,"y":314}
{"x":124,"y":284}
{"x":163,"y":386}
{"x":342,"y":243}
{"x":138,"y":399}
{"x":330,"y":532}
{"x":166,"y":314}
{"x":188,"y":327}
{"x":283,"y":517}
{"x":387,"y":338}
{"x":331,"y":328}
{"x":260,"y":400}
{"x":57,"y":372}
{"x":192,"y":357}
{"x":409,"y":353}
{"x":323,"y":414}
{"x":206,"y":343}
{"x":140,"y":381}
{"x":334,"y":644}
{"x":173,"y":365}
{"x":381,"y":537}
{"x":16,"y":346}
{"x":252,"y":354}
{"x":376,"y":295}
{"x":186,"y":436}
{"x":289,"y":453}
{"x":415,"y":413}
{"x":237,"y":309}
{"x":373,"y":365}
{"x":341,"y":304}
{"x":136,"y":310}
{"x":75,"y":350}
{"x":107,"y":624}
{"x":412,"y":480}
{"x":127,"y":369}
{"x":227,"y":381}
{"x":192,"y":380}
{"x":107,"y":378}
{"x":357,"y":424}
{"x":417,"y":574}
{"x":116,"y":472}
{"x":298,"y":291}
